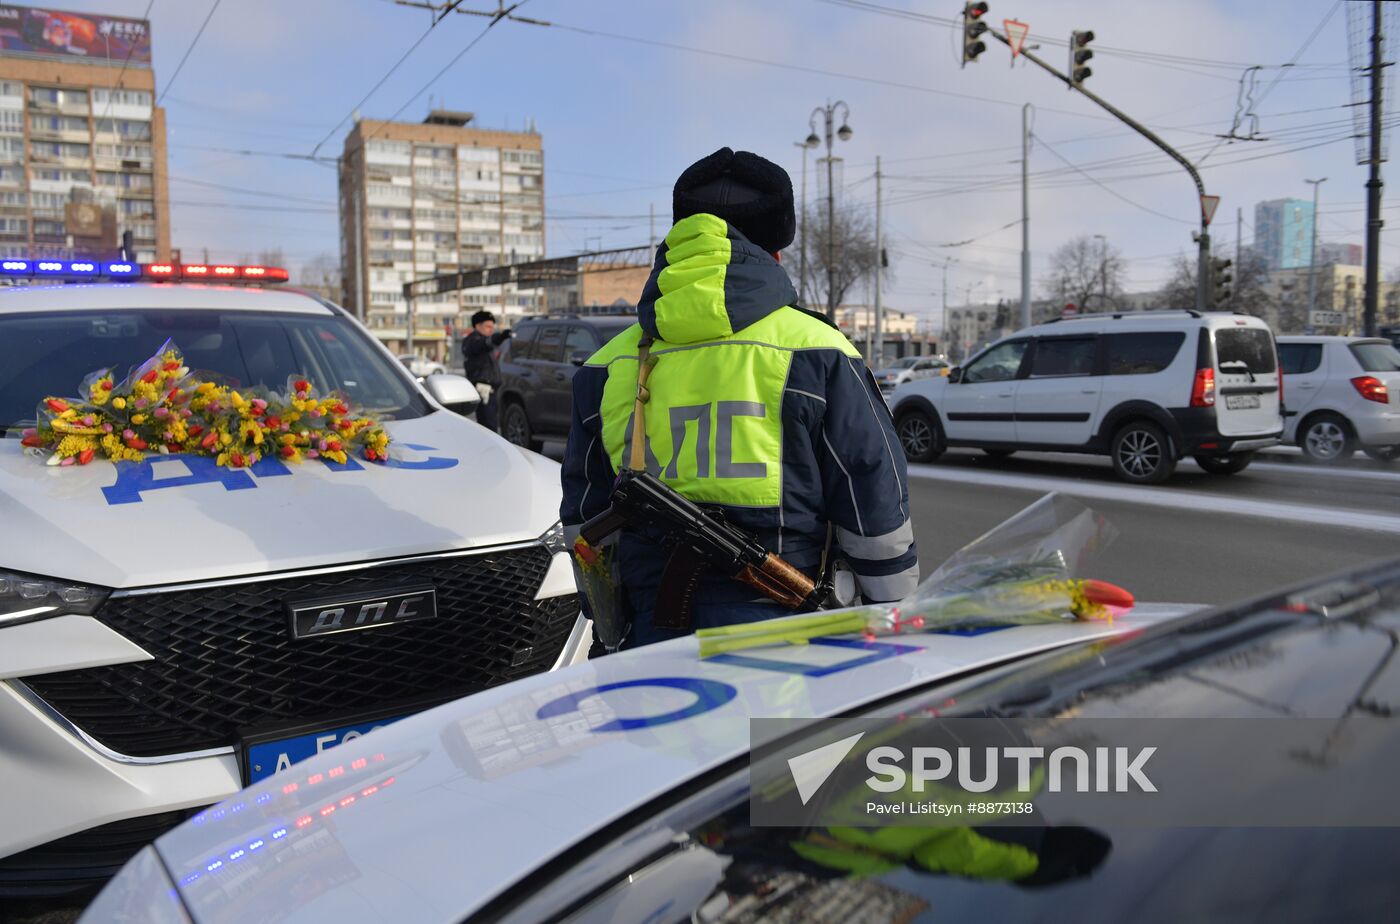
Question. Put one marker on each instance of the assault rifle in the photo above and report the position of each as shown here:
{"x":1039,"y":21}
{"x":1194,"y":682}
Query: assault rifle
{"x":702,"y":539}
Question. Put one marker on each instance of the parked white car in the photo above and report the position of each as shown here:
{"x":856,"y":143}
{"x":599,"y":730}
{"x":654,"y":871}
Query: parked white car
{"x":170,"y":630}
{"x":908,"y":369}
{"x":422,"y":368}
{"x":1341,"y":394}
{"x":1146,"y":389}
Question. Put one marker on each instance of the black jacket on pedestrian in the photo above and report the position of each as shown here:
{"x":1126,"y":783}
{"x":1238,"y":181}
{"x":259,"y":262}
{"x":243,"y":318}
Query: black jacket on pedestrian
{"x":478,"y":358}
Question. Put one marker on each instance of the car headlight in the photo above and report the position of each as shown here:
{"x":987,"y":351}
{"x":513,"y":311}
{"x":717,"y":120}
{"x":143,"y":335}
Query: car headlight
{"x":553,"y":538}
{"x":24,"y":598}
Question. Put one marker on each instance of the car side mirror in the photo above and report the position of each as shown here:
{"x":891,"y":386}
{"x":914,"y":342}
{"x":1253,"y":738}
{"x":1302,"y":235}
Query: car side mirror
{"x":955,"y":375}
{"x":454,"y":392}
{"x":579,"y":357}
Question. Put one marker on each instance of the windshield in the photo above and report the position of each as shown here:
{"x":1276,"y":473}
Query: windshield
{"x":1245,"y":347}
{"x":1376,"y":356}
{"x":49,"y":354}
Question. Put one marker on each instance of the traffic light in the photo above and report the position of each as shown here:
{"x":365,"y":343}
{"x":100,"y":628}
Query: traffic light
{"x":973,"y":26}
{"x":1079,"y":55}
{"x":1220,"y":282}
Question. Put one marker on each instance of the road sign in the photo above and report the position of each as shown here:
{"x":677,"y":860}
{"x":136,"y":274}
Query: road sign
{"x":1327,"y":318}
{"x":1070,"y":310}
{"x":1016,"y":33}
{"x":1208,"y":206}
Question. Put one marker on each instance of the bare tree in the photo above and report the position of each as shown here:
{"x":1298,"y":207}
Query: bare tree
{"x":855,"y":258}
{"x":1249,"y":287}
{"x":1086,"y":272}
{"x":321,"y":274}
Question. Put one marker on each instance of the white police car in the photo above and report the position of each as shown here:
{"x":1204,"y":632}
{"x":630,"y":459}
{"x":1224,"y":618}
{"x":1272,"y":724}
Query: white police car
{"x":560,"y":797}
{"x":163,"y":624}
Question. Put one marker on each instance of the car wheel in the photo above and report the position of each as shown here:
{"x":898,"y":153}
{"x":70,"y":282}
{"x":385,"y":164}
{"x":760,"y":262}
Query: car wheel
{"x":1228,"y":463}
{"x":1383,"y":453}
{"x":1000,"y":453}
{"x":920,"y":435}
{"x":1141,"y":454}
{"x":515,"y":427}
{"x":1326,"y":438}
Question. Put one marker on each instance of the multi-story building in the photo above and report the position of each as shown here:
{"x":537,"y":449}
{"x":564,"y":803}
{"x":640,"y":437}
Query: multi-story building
{"x":1283,"y":232}
{"x":82,"y":143}
{"x":1339,"y":294}
{"x":420,"y":199}
{"x":1350,"y":254}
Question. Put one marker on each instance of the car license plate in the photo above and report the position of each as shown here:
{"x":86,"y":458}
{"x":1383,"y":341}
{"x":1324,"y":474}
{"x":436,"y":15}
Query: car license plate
{"x":1241,"y":402}
{"x":263,"y":758}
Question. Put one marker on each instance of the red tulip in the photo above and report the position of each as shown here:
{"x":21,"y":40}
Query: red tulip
{"x":85,"y":456}
{"x":57,"y":405}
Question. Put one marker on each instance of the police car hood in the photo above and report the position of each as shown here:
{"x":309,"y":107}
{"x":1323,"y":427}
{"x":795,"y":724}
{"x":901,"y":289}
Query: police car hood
{"x":434,"y":816}
{"x":452,"y":485}
{"x":709,"y":281}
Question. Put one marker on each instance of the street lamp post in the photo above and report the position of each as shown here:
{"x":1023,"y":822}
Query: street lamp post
{"x":828,"y":115}
{"x":1312,"y":255}
{"x":806,"y":146}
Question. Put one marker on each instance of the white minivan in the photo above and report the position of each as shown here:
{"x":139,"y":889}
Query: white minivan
{"x":1147,"y":389}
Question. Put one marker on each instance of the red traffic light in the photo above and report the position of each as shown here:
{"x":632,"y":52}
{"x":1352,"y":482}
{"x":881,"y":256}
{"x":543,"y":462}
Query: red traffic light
{"x":975,"y":10}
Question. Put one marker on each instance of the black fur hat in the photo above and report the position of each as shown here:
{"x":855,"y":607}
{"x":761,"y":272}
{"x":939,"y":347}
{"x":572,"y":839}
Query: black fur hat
{"x":751,"y":193}
{"x":481,"y":317}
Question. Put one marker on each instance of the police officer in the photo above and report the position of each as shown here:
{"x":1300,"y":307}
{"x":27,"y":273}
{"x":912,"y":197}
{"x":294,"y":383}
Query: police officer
{"x":478,"y":356}
{"x":757,"y":407}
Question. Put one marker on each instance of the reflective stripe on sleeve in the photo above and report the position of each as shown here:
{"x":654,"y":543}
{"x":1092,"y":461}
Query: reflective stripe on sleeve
{"x":891,"y":587}
{"x":890,"y":545}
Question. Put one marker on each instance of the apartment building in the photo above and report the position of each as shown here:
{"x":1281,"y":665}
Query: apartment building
{"x":82,"y":143}
{"x":419,"y":199}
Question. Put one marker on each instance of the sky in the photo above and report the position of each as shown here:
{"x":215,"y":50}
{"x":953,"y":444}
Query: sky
{"x":627,"y":93}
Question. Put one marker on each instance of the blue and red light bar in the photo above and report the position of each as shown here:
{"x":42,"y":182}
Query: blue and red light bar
{"x":90,"y":269}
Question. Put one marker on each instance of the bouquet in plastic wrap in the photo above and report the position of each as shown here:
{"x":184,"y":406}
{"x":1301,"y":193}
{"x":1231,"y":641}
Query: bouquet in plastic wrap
{"x":162,"y":407}
{"x":1028,"y":570}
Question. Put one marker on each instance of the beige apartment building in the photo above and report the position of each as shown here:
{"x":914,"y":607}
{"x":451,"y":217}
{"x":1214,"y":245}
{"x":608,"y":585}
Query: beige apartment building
{"x":82,"y":159}
{"x":421,"y":199}
{"x":1339,"y":290}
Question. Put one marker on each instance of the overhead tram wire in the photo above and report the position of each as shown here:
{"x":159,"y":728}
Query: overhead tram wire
{"x":496,"y":18}
{"x":146,"y":16}
{"x":188,"y":51}
{"x":1112,"y":192}
{"x":387,"y":74}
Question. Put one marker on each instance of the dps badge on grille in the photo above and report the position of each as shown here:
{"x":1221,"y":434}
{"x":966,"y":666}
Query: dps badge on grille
{"x":365,"y":610}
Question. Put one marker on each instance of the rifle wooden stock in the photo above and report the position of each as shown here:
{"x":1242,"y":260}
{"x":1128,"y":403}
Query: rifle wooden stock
{"x":779,"y":581}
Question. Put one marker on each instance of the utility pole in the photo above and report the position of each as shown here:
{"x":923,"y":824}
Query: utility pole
{"x":806,"y":146}
{"x":947,"y":262}
{"x":1312,"y":255}
{"x":1239,"y":257}
{"x":1025,"y":217}
{"x":828,"y":114}
{"x":652,"y":225}
{"x":877,"y":348}
{"x":1373,"y":185}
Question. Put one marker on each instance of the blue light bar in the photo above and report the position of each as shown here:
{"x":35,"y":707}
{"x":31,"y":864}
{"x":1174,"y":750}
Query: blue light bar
{"x":83,"y":268}
{"x":121,"y":269}
{"x":49,"y":267}
{"x":14,"y":267}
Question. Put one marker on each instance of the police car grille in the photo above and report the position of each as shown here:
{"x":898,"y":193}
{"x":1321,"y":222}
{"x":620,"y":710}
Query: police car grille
{"x":225,"y":663}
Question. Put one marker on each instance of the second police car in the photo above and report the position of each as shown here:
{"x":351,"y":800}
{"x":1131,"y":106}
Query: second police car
{"x":619,"y":790}
{"x":151,"y":661}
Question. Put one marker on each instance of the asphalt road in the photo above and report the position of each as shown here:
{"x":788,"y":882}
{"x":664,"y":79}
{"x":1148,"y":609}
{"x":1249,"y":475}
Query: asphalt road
{"x":1199,"y":538}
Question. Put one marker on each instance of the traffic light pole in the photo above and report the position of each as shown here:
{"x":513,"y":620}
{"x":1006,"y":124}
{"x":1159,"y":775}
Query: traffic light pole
{"x":1203,"y":237}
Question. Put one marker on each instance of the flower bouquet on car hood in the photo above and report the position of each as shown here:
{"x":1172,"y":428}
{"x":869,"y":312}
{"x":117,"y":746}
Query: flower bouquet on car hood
{"x":1028,"y":570}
